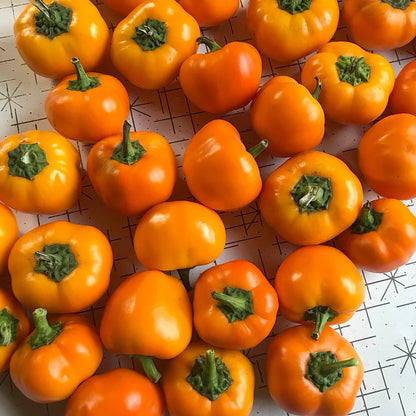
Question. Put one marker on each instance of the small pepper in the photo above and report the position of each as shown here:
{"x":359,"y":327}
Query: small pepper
{"x":313,"y":378}
{"x":319,"y":284}
{"x":234,"y":305}
{"x":56,"y":357}
{"x":209,"y":381}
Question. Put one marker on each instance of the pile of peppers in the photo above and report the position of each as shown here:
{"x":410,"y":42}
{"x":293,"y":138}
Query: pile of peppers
{"x":185,"y":330}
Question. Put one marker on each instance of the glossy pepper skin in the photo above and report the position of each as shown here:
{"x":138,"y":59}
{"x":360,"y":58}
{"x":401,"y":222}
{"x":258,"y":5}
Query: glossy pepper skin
{"x":210,"y":13}
{"x":80,"y":31}
{"x":39,"y":172}
{"x":319,"y":284}
{"x":62,"y":266}
{"x":9,"y":233}
{"x":87,"y":106}
{"x":311,"y":198}
{"x":181,"y":397}
{"x":219,"y":171}
{"x":355,"y":84}
{"x":378,"y":25}
{"x":223,"y":79}
{"x":149,"y":314}
{"x":14,"y":326}
{"x":132,"y":172}
{"x":234,"y":305}
{"x":403,"y":99}
{"x":50,"y":372}
{"x":153,"y":62}
{"x":288,"y":116}
{"x":386,"y":154}
{"x":383,"y":238}
{"x":119,"y":391}
{"x":178,"y":235}
{"x":287,"y":31}
{"x":287,"y":360}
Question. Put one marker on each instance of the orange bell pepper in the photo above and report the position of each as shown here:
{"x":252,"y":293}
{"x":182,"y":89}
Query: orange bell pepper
{"x":87,"y":106}
{"x":150,"y":44}
{"x":288,"y":116}
{"x":148,"y":315}
{"x":382,"y":238}
{"x":403,"y":98}
{"x":288,"y":30}
{"x":234,"y":305}
{"x":223,"y":79}
{"x":311,"y":198}
{"x":133,"y":171}
{"x":9,"y":232}
{"x":56,"y":357}
{"x":319,"y":284}
{"x":61,"y":266}
{"x":179,"y":235}
{"x":313,"y":378}
{"x":355,"y":84}
{"x":14,"y":326}
{"x":210,"y":13}
{"x":119,"y":391}
{"x":49,"y":33}
{"x":386,"y":154}
{"x":39,"y":172}
{"x":219,"y":172}
{"x":209,"y":381}
{"x":380,"y":25}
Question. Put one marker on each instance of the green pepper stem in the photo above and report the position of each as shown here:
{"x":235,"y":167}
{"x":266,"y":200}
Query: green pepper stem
{"x":44,"y":333}
{"x":320,"y":315}
{"x":210,"y":44}
{"x":184,"y":275}
{"x":317,"y":89}
{"x":258,"y":148}
{"x":83,"y":81}
{"x":8,"y":328}
{"x":368,"y":220}
{"x":235,"y":303}
{"x":44,"y":9}
{"x":149,"y":367}
{"x":210,"y":371}
{"x":330,"y":368}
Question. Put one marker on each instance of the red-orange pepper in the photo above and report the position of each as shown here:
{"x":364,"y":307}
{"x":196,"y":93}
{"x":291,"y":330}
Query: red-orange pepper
{"x":223,"y":79}
{"x":382,"y":238}
{"x":234,"y":305}
{"x":313,"y":378}
{"x":403,"y":97}
{"x":219,"y":172}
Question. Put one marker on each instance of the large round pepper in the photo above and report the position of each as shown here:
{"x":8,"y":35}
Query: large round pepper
{"x":150,"y":44}
{"x":148,"y":315}
{"x":56,"y":357}
{"x":403,"y":98}
{"x":223,"y":79}
{"x":313,"y":378}
{"x":209,"y":381}
{"x":131,"y":172}
{"x":61,"y":266}
{"x":39,"y":172}
{"x":382,"y":238}
{"x":179,"y":235}
{"x":234,"y":305}
{"x":380,"y":25}
{"x":288,"y":30}
{"x":49,"y":33}
{"x":119,"y":391}
{"x":14,"y":326}
{"x":219,"y":172}
{"x":288,"y":116}
{"x":87,"y":106}
{"x":210,"y":13}
{"x":355,"y":84}
{"x":319,"y":284}
{"x":387,"y":156}
{"x":9,"y":232}
{"x":311,"y":198}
